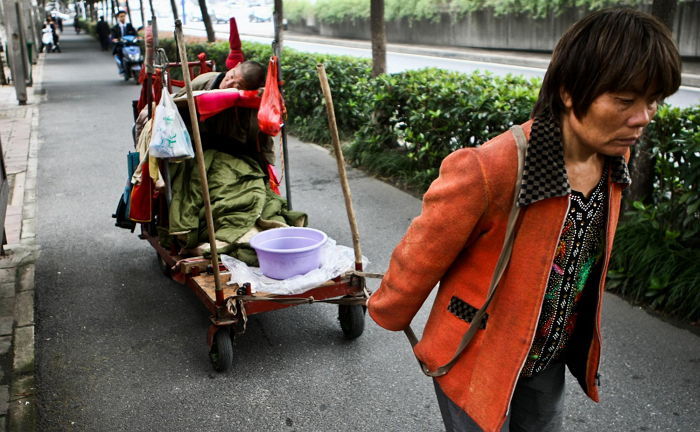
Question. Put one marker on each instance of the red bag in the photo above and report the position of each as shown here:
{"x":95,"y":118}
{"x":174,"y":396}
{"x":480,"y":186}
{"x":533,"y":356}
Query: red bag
{"x":141,"y":200}
{"x":272,"y":111}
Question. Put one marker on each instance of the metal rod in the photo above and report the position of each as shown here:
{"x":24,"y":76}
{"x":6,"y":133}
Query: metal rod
{"x":325,"y":87}
{"x":200,"y":161}
{"x":287,"y":181}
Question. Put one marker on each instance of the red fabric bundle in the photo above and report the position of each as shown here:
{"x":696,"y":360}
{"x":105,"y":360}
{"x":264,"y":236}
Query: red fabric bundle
{"x":272,"y":111}
{"x":141,"y":200}
{"x":235,"y":56}
{"x":209,"y":104}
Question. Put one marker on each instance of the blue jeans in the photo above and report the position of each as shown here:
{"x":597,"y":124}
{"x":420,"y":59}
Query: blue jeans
{"x":537,"y":405}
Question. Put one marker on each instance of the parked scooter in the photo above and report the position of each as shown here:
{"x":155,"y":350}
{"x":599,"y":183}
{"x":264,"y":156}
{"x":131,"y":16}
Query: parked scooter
{"x":132,"y":60}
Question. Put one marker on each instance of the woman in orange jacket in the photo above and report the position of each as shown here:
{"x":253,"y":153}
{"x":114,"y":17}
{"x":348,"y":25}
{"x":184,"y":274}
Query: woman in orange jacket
{"x":607,"y":75}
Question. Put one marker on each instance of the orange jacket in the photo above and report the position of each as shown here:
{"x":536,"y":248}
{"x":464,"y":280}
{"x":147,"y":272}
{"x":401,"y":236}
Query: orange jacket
{"x":456,"y":241}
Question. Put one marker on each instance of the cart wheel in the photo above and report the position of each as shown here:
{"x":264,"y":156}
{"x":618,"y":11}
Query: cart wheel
{"x":221,"y":353}
{"x":352,"y":320}
{"x":163,"y":266}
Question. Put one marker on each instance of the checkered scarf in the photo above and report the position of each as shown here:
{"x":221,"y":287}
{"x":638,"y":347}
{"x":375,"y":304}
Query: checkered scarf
{"x":544,"y":172}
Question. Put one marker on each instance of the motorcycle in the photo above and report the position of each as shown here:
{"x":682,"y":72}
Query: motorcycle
{"x":131,"y":60}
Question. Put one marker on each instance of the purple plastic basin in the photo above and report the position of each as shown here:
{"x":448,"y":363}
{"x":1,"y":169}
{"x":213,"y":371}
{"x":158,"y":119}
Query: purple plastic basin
{"x":287,"y":252}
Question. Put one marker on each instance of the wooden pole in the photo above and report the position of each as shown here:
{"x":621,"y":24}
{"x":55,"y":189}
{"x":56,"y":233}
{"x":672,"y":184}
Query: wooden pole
{"x":325,"y":87}
{"x":200,"y":161}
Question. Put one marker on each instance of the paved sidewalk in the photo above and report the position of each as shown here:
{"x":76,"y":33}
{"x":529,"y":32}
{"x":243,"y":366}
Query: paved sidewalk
{"x":19,"y":135}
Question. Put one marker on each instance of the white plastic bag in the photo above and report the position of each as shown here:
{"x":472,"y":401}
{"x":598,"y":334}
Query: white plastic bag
{"x":169,"y":136}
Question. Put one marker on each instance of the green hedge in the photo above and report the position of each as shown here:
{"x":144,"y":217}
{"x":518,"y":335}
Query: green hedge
{"x":332,"y":11}
{"x":401,"y":126}
{"x":657,"y":247}
{"x":419,"y":117}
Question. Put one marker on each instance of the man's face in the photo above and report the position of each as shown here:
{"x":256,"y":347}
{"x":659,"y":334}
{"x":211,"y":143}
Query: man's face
{"x":122,"y":18}
{"x":232,"y":79}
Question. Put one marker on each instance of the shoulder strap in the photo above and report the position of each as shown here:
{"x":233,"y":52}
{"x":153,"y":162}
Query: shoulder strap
{"x":501,"y":264}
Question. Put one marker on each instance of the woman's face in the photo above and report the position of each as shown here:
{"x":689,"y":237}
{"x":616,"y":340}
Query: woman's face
{"x":613,"y":123}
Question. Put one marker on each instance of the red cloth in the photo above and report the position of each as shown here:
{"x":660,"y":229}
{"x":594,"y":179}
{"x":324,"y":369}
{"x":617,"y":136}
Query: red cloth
{"x":274,"y":181}
{"x":234,"y":43}
{"x":212,"y":103}
{"x":141,"y":200}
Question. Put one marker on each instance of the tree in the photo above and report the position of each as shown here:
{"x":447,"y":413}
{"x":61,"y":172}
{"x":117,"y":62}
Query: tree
{"x":378,"y":37}
{"x":173,"y":6}
{"x":211,"y":37}
{"x":665,"y":11}
{"x":642,"y":166}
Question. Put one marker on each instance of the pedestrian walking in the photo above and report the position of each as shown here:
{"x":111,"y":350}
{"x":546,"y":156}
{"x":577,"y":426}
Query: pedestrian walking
{"x":607,"y":74}
{"x":103,"y":33}
{"x":76,"y":25}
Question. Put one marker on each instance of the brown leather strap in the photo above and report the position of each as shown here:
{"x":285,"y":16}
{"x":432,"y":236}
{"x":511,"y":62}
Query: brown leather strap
{"x":501,"y":265}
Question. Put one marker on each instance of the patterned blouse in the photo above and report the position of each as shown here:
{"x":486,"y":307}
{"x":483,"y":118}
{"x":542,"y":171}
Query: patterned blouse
{"x":579,"y":251}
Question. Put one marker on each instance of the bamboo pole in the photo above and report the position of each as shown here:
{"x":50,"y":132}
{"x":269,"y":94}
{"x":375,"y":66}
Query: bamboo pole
{"x":200,"y":161}
{"x":341,"y":165}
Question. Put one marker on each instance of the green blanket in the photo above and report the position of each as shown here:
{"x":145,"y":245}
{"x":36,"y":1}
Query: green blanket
{"x":241,"y":201}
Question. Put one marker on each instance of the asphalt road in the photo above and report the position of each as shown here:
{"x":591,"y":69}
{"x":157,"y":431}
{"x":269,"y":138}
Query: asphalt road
{"x":121,"y":348}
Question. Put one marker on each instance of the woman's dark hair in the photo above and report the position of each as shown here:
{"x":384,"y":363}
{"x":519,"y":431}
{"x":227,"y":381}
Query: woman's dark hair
{"x":610,"y":50}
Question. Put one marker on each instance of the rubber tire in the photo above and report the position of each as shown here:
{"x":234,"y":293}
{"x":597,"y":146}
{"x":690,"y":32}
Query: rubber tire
{"x":136,"y":77}
{"x":352,"y":320}
{"x":127,"y":75}
{"x":163,"y":266}
{"x":221,"y":353}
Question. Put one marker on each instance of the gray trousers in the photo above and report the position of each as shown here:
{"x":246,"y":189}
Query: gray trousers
{"x":537,"y":405}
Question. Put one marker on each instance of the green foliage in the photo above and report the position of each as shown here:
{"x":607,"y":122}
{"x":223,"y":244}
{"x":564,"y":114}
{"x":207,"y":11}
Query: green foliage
{"x":422,"y":116}
{"x":333,"y":11}
{"x":296,"y":10}
{"x":657,"y":248}
{"x":341,"y":10}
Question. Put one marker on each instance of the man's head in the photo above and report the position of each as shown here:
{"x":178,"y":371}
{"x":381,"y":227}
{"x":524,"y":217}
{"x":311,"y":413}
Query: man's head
{"x":121,"y":16}
{"x":249,"y":75}
{"x":102,"y":18}
{"x":607,"y":51}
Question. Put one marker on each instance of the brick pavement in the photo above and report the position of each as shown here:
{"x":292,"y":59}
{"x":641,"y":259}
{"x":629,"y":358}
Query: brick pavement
{"x":19,"y":135}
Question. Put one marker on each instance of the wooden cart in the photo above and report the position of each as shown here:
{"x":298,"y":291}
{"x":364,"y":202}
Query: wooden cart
{"x":230,"y":305}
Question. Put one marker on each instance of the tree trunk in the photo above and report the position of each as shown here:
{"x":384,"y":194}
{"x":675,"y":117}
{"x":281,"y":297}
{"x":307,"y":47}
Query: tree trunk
{"x":665,"y":11}
{"x":143,"y":15}
{"x":173,"y":6}
{"x":279,"y":20}
{"x":211,"y":37}
{"x":128,"y":12}
{"x":378,"y":37}
{"x":642,"y":165}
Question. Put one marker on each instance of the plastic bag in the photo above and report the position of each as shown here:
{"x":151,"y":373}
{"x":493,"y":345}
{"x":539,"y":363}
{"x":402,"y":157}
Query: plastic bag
{"x":169,"y":137}
{"x":272,"y":111}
